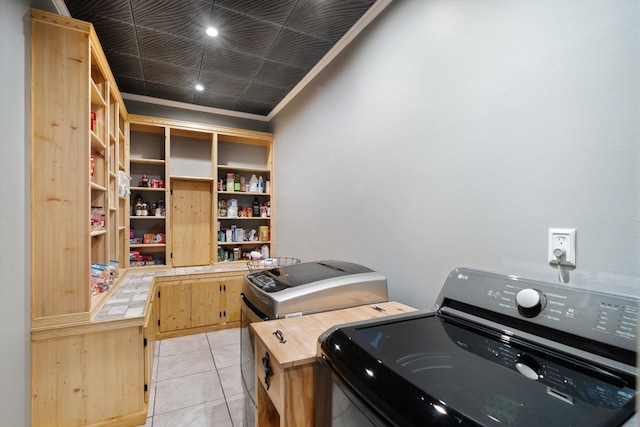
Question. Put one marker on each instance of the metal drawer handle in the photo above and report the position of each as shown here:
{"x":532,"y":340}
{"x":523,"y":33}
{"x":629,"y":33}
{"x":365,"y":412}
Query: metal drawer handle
{"x":278,"y":333}
{"x":268,"y":372}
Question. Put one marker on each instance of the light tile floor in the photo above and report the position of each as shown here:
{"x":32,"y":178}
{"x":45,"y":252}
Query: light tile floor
{"x":196,"y":381}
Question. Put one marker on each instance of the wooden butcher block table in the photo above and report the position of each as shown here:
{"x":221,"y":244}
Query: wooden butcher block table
{"x":288,"y":398}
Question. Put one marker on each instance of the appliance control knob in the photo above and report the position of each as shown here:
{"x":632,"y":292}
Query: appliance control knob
{"x":530,"y":302}
{"x":528,"y":366}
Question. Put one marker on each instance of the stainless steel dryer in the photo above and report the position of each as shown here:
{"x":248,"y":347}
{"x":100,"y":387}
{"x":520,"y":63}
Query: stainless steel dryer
{"x":296,"y":290}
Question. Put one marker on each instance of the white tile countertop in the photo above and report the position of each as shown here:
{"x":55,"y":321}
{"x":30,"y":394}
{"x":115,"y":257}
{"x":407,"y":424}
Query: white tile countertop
{"x":130,"y":296}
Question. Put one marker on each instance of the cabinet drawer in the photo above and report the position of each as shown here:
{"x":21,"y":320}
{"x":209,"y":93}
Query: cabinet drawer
{"x":275,"y":380}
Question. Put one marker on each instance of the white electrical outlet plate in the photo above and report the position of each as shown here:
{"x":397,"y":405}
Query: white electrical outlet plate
{"x":562,"y":240}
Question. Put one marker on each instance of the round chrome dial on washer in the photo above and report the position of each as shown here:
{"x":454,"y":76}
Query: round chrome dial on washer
{"x":530,"y":302}
{"x":528,"y":367}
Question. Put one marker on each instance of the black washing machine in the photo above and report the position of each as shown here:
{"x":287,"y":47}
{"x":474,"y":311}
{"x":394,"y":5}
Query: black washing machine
{"x":496,"y":351}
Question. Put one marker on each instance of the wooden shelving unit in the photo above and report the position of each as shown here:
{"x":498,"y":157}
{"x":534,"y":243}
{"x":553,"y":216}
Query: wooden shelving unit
{"x":244,"y":157}
{"x":192,"y":159}
{"x":78,"y":147}
{"x":147,"y":156}
{"x":82,"y":372}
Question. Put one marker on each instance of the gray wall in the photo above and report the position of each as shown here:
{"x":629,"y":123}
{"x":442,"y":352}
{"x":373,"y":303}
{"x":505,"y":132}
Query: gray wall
{"x":15,"y":260}
{"x":456,"y":133}
{"x":14,"y":211}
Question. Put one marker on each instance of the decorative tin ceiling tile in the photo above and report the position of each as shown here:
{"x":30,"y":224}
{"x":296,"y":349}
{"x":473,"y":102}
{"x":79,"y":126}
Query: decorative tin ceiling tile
{"x":130,"y":85}
{"x":174,"y":93}
{"x":230,"y":62}
{"x":164,"y":47}
{"x":114,"y":9}
{"x":184,"y":18}
{"x":279,"y":75}
{"x":223,"y":84}
{"x":298,"y":50}
{"x":274,"y":11}
{"x":158,"y":48}
{"x":116,"y":36}
{"x":126,"y":65}
{"x":311,"y":17}
{"x":169,"y":74}
{"x":247,"y":106}
{"x":216,"y":101}
{"x":264,"y":93}
{"x":242,"y":33}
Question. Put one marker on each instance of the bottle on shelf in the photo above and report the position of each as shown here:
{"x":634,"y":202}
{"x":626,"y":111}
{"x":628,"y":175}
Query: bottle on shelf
{"x":256,"y":207}
{"x":260,"y":185}
{"x":138,"y":205}
{"x":145,"y":180}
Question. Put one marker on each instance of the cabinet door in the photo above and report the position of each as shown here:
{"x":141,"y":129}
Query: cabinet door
{"x":191,"y":213}
{"x":205,"y":303}
{"x":175,"y":307}
{"x":232,"y":298}
{"x":89,"y":377}
{"x":149,"y":334}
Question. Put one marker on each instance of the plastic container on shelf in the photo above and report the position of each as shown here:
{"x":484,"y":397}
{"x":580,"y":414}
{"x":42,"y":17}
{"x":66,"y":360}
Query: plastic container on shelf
{"x":230,"y":181}
{"x":253,"y":184}
{"x":97,"y":218}
{"x":263,"y":233}
{"x":232,"y":207}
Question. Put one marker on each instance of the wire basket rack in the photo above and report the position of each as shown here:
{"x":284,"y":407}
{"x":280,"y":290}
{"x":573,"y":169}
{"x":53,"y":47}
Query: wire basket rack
{"x":262,"y":264}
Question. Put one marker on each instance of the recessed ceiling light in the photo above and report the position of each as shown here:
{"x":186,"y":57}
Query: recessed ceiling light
{"x":212,"y":31}
{"x":199,"y":87}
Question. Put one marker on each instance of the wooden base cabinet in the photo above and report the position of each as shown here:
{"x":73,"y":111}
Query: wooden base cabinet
{"x":286,"y":373}
{"x":288,"y":398}
{"x":196,"y":303}
{"x":93,"y":374}
{"x":88,"y":375}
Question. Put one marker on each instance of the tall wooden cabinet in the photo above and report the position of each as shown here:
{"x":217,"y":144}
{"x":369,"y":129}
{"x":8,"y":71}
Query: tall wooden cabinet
{"x":78,"y":147}
{"x":82,"y":372}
